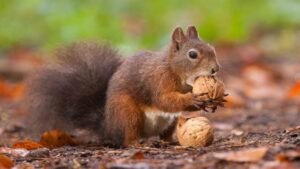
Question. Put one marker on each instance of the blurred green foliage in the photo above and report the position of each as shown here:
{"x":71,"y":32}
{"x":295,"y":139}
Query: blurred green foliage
{"x":133,"y":24}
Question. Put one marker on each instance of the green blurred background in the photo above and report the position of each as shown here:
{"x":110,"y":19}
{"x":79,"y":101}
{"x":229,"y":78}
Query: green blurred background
{"x":136,"y":24}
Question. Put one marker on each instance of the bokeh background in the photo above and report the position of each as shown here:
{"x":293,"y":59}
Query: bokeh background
{"x":134,"y":24}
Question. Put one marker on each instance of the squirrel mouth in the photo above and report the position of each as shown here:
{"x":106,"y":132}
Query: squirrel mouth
{"x":214,"y":74}
{"x":191,"y":80}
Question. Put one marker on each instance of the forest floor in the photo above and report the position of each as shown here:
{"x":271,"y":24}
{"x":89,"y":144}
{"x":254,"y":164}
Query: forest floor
{"x":258,"y":128}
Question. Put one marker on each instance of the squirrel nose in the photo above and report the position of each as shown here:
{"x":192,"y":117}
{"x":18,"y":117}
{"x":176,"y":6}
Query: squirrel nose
{"x":215,"y":70}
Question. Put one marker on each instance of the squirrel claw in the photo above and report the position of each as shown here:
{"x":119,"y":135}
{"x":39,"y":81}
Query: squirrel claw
{"x":204,"y":108}
{"x":213,"y":109}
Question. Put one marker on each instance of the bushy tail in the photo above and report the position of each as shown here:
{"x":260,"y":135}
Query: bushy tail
{"x":71,"y":93}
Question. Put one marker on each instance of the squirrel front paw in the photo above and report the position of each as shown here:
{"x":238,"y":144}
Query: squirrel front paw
{"x":195,"y":101}
{"x":202,"y":102}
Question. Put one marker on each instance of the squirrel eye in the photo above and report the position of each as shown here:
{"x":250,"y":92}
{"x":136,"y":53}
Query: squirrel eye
{"x":193,"y":54}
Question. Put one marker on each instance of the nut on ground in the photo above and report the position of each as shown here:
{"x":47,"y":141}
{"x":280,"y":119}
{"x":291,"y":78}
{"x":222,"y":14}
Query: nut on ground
{"x":194,"y":132}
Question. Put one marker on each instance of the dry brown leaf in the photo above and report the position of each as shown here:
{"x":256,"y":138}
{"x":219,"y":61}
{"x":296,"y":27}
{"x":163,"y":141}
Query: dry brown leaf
{"x":11,"y":91}
{"x":261,"y":82}
{"x":273,"y":165}
{"x":138,"y":155}
{"x":294,"y":91}
{"x":291,"y":129}
{"x":288,"y":155}
{"x":27,"y":144}
{"x":56,"y":138}
{"x":264,"y":91}
{"x":5,"y":162}
{"x":259,"y":74}
{"x":247,"y":155}
{"x":24,"y":57}
{"x":234,"y":100}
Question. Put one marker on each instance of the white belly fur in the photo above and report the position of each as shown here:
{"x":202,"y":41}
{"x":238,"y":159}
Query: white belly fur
{"x":156,"y":122}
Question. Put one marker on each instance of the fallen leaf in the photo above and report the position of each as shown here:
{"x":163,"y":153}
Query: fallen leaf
{"x":25,"y":166}
{"x":27,"y":144}
{"x":5,"y":162}
{"x":288,"y":155}
{"x":141,"y":165}
{"x":138,"y":155}
{"x":247,"y":155}
{"x":267,"y":91}
{"x":259,"y":74}
{"x":237,"y":132}
{"x":234,"y":100}
{"x":56,"y":138}
{"x":261,"y":82}
{"x":11,"y":91}
{"x":291,"y":129}
{"x":272,"y":165}
{"x":294,"y":91}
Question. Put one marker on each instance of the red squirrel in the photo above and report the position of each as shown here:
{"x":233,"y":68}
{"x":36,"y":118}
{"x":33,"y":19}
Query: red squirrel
{"x":121,"y":99}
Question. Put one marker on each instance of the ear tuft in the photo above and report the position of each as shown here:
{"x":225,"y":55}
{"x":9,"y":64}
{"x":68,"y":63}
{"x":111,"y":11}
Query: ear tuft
{"x":192,"y":32}
{"x":178,"y":37}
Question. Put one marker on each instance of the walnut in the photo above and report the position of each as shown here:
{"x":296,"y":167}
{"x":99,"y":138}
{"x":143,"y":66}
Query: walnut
{"x":210,"y":85}
{"x":194,"y":132}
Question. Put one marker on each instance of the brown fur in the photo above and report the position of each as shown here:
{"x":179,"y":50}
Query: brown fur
{"x":152,"y":80}
{"x":71,"y":93}
{"x":74,"y":92}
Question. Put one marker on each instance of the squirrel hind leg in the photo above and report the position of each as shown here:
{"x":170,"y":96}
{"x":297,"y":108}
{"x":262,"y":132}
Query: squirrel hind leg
{"x":124,"y":121}
{"x":167,"y":134}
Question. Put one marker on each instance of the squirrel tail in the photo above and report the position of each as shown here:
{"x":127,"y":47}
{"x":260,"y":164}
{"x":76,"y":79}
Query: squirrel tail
{"x":71,"y":93}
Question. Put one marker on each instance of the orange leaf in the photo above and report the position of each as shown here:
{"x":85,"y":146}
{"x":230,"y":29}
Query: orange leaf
{"x":234,"y":100}
{"x":294,"y":91}
{"x":27,"y":144}
{"x":56,"y":138}
{"x":138,"y":155}
{"x":11,"y":91}
{"x":259,"y":74}
{"x":247,"y":155}
{"x":5,"y":162}
{"x":288,"y":155}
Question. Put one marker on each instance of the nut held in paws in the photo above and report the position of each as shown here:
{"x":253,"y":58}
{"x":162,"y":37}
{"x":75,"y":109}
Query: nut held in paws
{"x":210,"y":85}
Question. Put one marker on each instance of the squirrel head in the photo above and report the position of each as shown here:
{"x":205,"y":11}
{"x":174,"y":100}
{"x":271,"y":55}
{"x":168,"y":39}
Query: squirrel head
{"x":191,"y":57}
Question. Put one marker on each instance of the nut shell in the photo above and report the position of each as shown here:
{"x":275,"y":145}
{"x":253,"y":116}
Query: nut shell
{"x":194,"y":132}
{"x":210,"y":85}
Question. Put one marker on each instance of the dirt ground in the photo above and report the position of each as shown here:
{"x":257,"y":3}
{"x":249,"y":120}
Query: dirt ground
{"x":258,"y":128}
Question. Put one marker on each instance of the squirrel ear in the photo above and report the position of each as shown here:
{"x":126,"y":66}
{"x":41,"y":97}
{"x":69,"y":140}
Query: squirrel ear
{"x":192,"y":32}
{"x":178,"y":38}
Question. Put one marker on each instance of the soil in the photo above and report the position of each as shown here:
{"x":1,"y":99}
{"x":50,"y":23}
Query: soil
{"x":247,"y":124}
